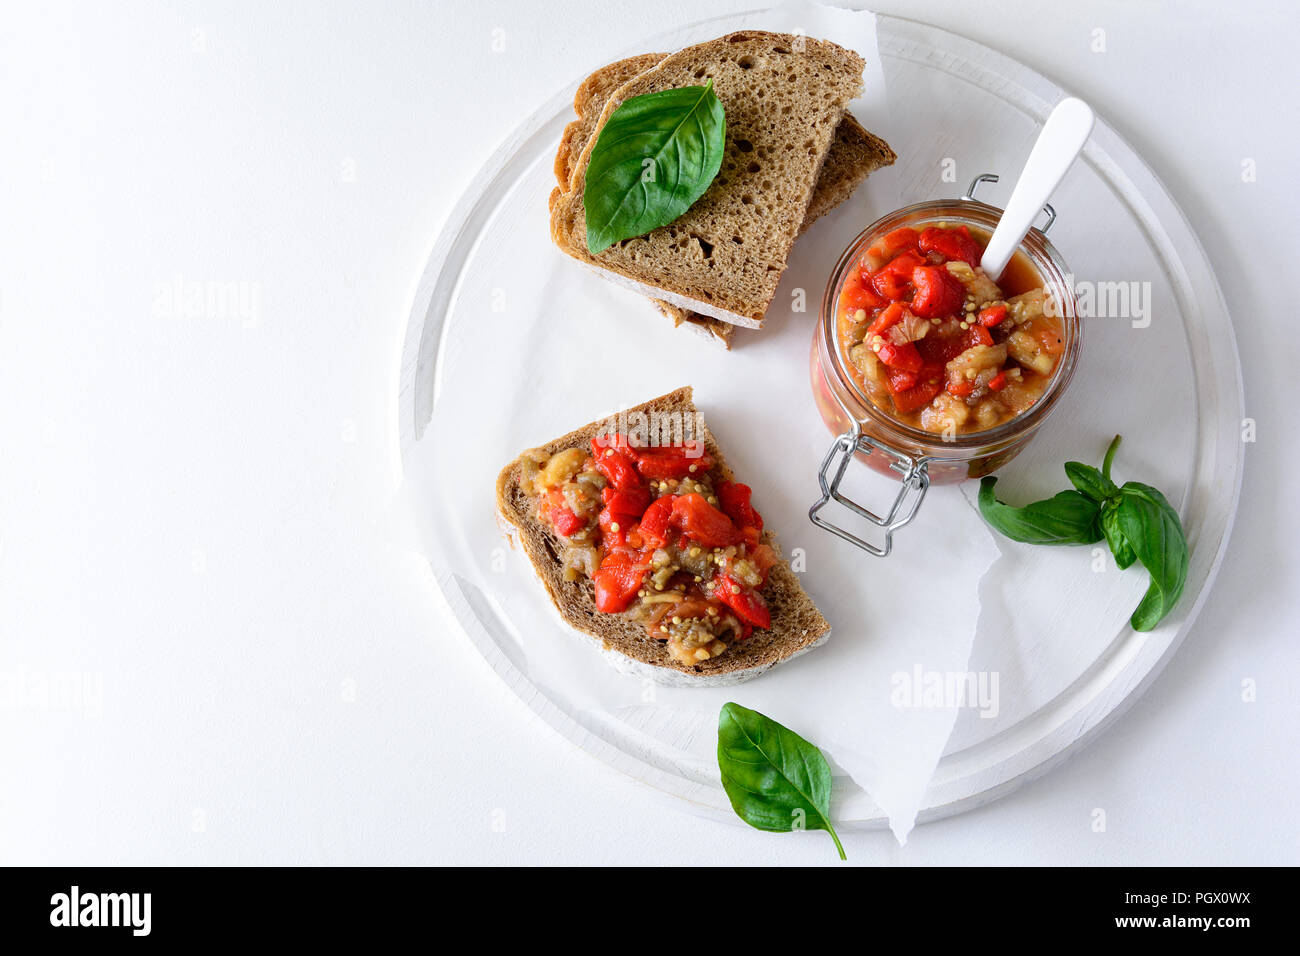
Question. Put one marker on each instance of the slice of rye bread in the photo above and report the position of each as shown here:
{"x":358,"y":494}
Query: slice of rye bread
{"x":854,"y":154}
{"x":797,"y":625}
{"x":784,"y":97}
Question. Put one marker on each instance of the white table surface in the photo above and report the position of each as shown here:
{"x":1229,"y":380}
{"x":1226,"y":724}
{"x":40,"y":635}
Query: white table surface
{"x":193,"y":506}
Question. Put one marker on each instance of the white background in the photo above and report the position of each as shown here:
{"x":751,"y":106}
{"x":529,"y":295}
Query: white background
{"x":193,"y":508}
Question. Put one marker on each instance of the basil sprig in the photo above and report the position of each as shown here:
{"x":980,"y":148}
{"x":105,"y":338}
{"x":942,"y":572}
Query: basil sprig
{"x":654,"y":157}
{"x":776,"y":780}
{"x":1136,"y":521}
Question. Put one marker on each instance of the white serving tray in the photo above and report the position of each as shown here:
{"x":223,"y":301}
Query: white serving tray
{"x":954,"y":102}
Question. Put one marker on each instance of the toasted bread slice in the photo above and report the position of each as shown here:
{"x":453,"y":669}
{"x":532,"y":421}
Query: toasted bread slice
{"x":784,"y":98}
{"x":797,"y":625}
{"x":854,"y":154}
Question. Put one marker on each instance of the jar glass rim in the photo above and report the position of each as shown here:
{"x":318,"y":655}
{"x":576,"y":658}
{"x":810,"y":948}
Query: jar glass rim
{"x":1046,"y":262}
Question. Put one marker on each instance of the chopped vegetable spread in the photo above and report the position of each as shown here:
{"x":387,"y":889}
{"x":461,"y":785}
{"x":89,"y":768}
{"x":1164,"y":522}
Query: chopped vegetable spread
{"x":938,"y":345}
{"x":662,"y":537}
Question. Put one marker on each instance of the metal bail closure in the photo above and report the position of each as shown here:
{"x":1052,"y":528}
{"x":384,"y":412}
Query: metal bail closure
{"x":992,"y":178}
{"x":916,"y":481}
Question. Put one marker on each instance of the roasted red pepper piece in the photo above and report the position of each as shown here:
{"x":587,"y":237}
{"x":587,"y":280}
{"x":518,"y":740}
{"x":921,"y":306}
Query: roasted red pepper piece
{"x":978,"y":335}
{"x":559,"y":514}
{"x":998,"y":382}
{"x":614,"y":461}
{"x":952,"y":244}
{"x":899,"y":381}
{"x":733,"y":498}
{"x":747,"y":603}
{"x":893,"y":279}
{"x":918,"y":396}
{"x":566,"y":522}
{"x":895,"y":242}
{"x":654,"y":523}
{"x":889,"y":316}
{"x":960,"y":389}
{"x":613,"y":530}
{"x":702,"y":523}
{"x":622,"y":509}
{"x":991,"y":316}
{"x":858,"y":293}
{"x":626,"y":502}
{"x":674,"y":461}
{"x":904,"y":357}
{"x":938,"y":292}
{"x":891,"y":285}
{"x":617,"y":580}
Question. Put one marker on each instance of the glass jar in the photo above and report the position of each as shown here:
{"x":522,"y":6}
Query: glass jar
{"x":916,"y":457}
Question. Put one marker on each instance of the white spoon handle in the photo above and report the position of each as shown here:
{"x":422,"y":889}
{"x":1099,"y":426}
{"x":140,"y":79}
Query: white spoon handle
{"x":1063,"y":136}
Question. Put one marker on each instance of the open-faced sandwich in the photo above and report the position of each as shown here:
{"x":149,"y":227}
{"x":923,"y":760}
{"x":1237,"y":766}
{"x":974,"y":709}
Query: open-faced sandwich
{"x":788,"y":155}
{"x":646,"y":543}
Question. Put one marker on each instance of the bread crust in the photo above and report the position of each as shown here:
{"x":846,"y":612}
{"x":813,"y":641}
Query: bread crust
{"x":588,"y":101}
{"x":797,"y":625}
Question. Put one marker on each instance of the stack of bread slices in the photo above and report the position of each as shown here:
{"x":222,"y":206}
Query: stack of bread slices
{"x":792,"y":154}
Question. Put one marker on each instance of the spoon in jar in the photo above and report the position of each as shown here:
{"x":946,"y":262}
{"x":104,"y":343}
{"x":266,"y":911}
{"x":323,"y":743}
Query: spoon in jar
{"x":1061,"y":140}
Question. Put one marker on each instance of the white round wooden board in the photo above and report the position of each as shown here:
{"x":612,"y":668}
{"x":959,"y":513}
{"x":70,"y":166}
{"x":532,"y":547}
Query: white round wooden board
{"x":952,"y":100}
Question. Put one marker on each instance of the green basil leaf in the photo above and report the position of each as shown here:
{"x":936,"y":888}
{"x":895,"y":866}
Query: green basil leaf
{"x":1119,"y":546}
{"x":1068,"y":518}
{"x":1090,"y":481}
{"x":654,"y":157}
{"x":1151,"y":526}
{"x":776,"y":780}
